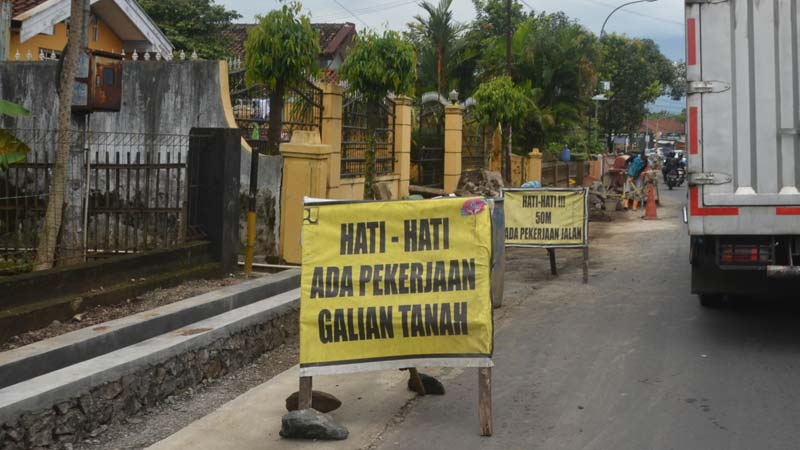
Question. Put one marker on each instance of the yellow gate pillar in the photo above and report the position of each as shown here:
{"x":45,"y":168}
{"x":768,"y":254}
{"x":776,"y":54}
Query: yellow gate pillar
{"x":332,"y":95}
{"x":534,"y":169}
{"x":305,"y":173}
{"x":453,"y":122}
{"x":402,"y":143}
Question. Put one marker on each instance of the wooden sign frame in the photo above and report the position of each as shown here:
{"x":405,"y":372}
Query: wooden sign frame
{"x":551,"y":248}
{"x":305,"y":388}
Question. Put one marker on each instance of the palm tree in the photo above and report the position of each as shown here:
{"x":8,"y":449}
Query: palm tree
{"x":441,"y":33}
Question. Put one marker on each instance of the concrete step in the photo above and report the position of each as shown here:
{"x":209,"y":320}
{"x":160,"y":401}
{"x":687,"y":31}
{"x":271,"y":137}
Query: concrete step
{"x":116,"y":379}
{"x":68,"y":349}
{"x":39,"y":314}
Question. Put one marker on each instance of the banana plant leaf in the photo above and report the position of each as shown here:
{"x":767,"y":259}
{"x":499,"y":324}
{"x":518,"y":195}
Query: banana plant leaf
{"x":12,"y":150}
{"x":13,"y":109}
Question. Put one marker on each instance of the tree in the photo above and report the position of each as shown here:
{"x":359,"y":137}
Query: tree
{"x":639,"y":74}
{"x":281,"y":52}
{"x":193,"y":25}
{"x":439,"y":35}
{"x":377,"y":65}
{"x":491,"y":17}
{"x":46,"y":251}
{"x":500,"y":102}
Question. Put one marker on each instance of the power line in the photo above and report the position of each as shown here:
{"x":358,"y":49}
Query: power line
{"x":636,"y":13}
{"x":351,"y":13}
{"x":333,"y":16}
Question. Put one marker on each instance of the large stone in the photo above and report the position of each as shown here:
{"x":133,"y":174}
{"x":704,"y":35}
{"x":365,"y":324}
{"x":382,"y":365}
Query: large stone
{"x":109,"y":391}
{"x":432,"y":385}
{"x":321,"y":401}
{"x":311,"y":424}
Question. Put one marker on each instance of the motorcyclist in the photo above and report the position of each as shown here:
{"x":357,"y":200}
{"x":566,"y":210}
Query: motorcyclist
{"x":672,"y":162}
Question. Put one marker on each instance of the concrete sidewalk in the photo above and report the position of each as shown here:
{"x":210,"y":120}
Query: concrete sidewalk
{"x":370,"y":402}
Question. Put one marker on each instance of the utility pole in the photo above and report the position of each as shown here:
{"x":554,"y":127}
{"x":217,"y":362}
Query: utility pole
{"x":509,"y":36}
{"x":5,"y":30}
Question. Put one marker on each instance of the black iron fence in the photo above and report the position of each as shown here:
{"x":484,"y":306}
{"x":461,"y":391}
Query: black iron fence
{"x":302,"y":110}
{"x":427,"y":150}
{"x":473,"y":140}
{"x":125,"y":193}
{"x":356,"y":115}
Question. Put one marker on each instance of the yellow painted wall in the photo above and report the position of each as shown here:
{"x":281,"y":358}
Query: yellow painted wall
{"x":107,"y":41}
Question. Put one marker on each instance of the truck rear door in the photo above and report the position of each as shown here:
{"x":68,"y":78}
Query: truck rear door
{"x":743,"y":104}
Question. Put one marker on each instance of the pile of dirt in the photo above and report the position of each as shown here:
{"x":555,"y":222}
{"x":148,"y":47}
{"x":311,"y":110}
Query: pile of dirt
{"x":482,"y":183}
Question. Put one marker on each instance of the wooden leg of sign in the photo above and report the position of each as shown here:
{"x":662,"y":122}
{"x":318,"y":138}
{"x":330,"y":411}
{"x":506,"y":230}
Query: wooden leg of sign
{"x":304,"y":395}
{"x":553,"y":268}
{"x":416,"y":381}
{"x":585,"y":265}
{"x":485,"y":400}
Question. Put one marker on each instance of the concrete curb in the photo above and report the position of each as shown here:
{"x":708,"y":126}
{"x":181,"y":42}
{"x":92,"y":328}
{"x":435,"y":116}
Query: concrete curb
{"x":71,"y":382}
{"x":62,"y":351}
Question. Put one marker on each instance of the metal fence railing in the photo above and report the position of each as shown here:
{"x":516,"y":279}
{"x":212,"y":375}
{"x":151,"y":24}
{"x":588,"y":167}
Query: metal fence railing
{"x":356,"y":115}
{"x":125,"y":193}
{"x":251,"y":109}
{"x":473,"y":140}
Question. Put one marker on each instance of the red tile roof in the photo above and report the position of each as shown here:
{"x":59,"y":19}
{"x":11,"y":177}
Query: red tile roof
{"x":331,"y":36}
{"x":235,"y":36}
{"x":664,"y":126}
{"x":21,"y":6}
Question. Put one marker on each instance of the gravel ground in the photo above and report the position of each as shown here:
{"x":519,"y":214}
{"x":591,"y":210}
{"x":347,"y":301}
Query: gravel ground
{"x":184,"y":408}
{"x":147,"y":301}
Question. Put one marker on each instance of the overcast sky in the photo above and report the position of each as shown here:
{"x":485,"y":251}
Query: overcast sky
{"x":661,"y":20}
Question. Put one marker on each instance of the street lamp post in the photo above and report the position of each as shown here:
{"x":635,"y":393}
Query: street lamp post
{"x":602,"y":30}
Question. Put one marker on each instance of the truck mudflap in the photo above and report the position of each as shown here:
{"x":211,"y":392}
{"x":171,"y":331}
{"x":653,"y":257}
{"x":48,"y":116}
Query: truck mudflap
{"x":783,"y":271}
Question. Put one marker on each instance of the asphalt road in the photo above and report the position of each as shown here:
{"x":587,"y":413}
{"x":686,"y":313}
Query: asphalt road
{"x":630,"y":361}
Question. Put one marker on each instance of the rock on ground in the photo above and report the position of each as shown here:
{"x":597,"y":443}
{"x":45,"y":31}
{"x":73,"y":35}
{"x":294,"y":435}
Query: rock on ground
{"x":321,"y":401}
{"x":432,"y":385}
{"x":480,"y":182}
{"x":311,"y":424}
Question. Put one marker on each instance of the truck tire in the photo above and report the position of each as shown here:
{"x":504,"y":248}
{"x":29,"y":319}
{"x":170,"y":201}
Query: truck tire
{"x":711,"y":300}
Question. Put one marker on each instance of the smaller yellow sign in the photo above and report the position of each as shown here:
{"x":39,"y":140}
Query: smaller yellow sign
{"x":546,"y":217}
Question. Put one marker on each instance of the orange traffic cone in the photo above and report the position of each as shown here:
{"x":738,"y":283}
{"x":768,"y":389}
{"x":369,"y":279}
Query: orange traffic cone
{"x":650,"y":211}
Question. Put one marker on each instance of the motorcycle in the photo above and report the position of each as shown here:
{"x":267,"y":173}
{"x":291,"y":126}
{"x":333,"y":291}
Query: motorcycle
{"x":676,"y":177}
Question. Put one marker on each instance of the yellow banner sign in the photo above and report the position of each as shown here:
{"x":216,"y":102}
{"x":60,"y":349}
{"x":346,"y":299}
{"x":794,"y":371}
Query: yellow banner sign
{"x":546,"y":217}
{"x":395,"y":284}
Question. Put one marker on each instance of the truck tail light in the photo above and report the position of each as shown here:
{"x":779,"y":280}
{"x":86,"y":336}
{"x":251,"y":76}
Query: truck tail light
{"x":745,"y":254}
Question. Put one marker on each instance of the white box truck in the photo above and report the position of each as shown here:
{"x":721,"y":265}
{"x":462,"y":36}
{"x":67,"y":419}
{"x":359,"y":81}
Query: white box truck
{"x":743,"y":142}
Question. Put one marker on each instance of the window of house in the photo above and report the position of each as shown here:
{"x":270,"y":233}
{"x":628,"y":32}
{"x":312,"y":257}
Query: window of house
{"x":95,"y":29}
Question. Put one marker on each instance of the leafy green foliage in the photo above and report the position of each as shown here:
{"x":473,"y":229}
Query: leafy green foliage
{"x":492,"y":17}
{"x":498,"y":101}
{"x":554,"y":58}
{"x":639,"y":74}
{"x":12,"y":150}
{"x":281,"y":48}
{"x":281,"y":52}
{"x":437,"y":38}
{"x":13,"y":110}
{"x":379,"y":64}
{"x":193,"y":25}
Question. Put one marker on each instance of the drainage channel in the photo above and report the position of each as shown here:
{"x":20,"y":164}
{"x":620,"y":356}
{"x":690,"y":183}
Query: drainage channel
{"x":129,"y":363}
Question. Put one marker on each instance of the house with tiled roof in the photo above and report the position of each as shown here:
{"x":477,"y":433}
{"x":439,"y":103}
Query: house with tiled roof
{"x":335,"y":40}
{"x":40,"y":26}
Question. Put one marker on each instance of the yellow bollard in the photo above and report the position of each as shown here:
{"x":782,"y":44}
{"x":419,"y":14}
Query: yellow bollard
{"x":251,"y":243}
